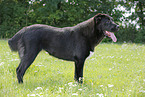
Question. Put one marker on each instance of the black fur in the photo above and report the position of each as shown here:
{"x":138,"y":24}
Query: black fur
{"x":69,"y":43}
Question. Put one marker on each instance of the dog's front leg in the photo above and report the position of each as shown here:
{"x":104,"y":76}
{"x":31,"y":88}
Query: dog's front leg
{"x":79,"y":71}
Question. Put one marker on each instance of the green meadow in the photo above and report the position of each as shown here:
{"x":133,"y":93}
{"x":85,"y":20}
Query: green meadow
{"x":114,"y":70}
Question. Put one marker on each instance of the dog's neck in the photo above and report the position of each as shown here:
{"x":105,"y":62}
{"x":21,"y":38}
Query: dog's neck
{"x":90,"y":31}
{"x":86,"y":27}
{"x":96,"y":39}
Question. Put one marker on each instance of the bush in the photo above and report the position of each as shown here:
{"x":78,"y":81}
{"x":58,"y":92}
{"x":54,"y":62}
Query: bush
{"x":131,"y":34}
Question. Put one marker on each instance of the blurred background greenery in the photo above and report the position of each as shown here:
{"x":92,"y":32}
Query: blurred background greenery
{"x":129,"y":14}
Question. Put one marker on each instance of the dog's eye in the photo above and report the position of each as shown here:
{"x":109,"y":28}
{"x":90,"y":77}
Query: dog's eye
{"x":108,"y":21}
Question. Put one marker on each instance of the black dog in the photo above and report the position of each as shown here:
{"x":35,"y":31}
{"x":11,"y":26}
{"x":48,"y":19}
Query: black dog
{"x":69,"y":43}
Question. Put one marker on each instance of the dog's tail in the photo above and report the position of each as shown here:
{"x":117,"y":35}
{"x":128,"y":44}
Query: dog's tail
{"x":13,"y":42}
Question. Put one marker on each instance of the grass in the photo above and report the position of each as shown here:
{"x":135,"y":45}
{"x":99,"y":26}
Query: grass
{"x":115,"y":70}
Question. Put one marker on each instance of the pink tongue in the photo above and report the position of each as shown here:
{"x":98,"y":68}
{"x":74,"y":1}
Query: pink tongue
{"x":113,"y":37}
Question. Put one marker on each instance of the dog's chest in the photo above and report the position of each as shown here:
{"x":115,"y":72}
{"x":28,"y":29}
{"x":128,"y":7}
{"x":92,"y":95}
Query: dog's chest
{"x":91,"y":53}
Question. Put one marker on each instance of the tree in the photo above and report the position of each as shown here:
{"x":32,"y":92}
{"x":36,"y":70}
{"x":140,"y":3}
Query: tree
{"x":12,"y":17}
{"x":16,"y":14}
{"x":140,"y":10}
{"x":139,"y":14}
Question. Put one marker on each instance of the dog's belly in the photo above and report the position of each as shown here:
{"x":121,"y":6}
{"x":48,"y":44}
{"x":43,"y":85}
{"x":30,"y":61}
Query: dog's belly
{"x":65,"y":55}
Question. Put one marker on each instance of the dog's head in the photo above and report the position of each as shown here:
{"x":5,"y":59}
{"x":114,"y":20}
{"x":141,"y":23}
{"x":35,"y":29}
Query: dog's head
{"x":106,"y":25}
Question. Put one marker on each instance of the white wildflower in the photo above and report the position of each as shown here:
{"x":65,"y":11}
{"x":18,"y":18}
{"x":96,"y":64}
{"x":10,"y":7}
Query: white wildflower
{"x":1,"y":63}
{"x":109,"y":85}
{"x":60,"y":88}
{"x":75,"y":94}
{"x":100,"y":95}
{"x":74,"y":85}
{"x":143,"y":91}
{"x":110,"y":69}
{"x":38,"y":88}
{"x":46,"y":89}
{"x":80,"y":89}
{"x":70,"y":83}
{"x":31,"y":95}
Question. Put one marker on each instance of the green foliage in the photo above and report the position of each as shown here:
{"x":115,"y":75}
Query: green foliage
{"x":16,"y":14}
{"x":114,"y":70}
{"x":140,"y":36}
{"x":131,"y":34}
{"x":12,"y":17}
{"x":139,"y":11}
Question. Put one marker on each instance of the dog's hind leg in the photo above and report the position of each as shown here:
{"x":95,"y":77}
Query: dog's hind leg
{"x":26,"y":60}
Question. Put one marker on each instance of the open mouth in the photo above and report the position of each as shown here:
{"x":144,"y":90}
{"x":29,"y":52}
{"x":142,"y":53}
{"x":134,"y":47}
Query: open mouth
{"x":111,"y":35}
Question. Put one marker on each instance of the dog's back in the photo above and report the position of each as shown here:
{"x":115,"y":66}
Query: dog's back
{"x":16,"y":41}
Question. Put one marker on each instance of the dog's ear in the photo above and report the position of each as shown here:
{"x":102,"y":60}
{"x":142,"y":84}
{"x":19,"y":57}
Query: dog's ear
{"x":98,"y":17}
